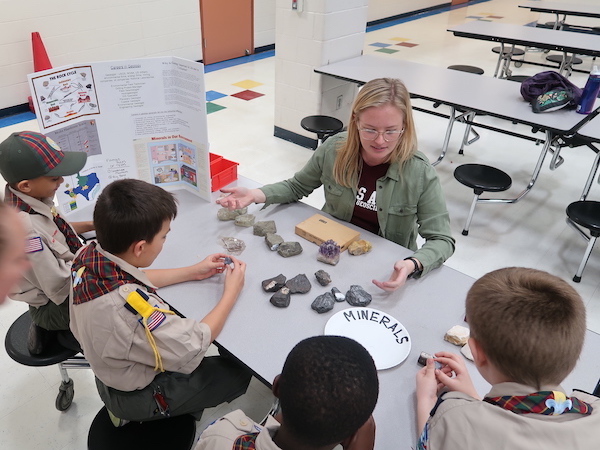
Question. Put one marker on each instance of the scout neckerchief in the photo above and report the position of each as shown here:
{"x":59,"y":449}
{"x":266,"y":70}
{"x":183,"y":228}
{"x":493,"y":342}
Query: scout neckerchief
{"x":245,"y":442}
{"x":95,"y":275}
{"x":72,"y":240}
{"x":551,"y":403}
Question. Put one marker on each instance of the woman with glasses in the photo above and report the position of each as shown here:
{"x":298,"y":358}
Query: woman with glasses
{"x":374,"y":177}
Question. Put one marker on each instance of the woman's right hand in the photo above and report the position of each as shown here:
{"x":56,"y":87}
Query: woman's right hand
{"x":235,"y":275}
{"x":240,"y":197}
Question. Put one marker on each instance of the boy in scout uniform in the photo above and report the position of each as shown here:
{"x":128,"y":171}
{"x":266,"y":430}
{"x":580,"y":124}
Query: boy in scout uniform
{"x":527,"y":331}
{"x":33,"y":166}
{"x":149,"y":362}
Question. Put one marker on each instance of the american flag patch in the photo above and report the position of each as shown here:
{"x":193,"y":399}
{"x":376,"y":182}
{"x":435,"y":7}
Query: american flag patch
{"x":155,"y":319}
{"x":34,"y":245}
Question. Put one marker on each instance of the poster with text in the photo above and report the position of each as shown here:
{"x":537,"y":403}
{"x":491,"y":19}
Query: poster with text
{"x":144,"y":119}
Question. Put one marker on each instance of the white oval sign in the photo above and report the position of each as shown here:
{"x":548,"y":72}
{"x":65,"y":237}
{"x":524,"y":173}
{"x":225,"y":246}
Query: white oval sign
{"x":384,"y":337}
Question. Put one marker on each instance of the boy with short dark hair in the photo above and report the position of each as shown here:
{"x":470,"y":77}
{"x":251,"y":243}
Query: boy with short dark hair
{"x":149,"y":362}
{"x":527,"y":331}
{"x":33,"y":166}
{"x":327,"y":391}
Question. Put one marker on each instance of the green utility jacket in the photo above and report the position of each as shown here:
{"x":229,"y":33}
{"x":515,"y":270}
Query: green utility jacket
{"x":409,"y":201}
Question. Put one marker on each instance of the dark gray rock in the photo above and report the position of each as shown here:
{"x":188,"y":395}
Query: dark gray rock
{"x":322,"y":277}
{"x":264,"y":227}
{"x":298,"y":285}
{"x":245,"y":220}
{"x":339,"y":297}
{"x":274,"y":284}
{"x":287,"y":249}
{"x":273,"y":241}
{"x":227,"y":214}
{"x":281,"y":298}
{"x":357,"y":296}
{"x":323,"y":303}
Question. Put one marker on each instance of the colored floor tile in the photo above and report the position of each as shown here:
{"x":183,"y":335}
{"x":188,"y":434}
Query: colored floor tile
{"x":495,"y":17}
{"x":399,"y":39}
{"x":379,"y":44}
{"x":485,"y":20}
{"x":247,"y":95}
{"x":386,"y":50}
{"x":213,"y":107}
{"x":214,"y":95}
{"x":407,"y":44}
{"x":247,"y":84}
{"x":473,"y":17}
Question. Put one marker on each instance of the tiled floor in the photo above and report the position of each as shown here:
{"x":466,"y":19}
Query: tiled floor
{"x":531,"y":233}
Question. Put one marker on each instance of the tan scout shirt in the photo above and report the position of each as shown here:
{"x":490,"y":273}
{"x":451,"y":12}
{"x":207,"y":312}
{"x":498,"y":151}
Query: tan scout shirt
{"x":461,"y":422}
{"x":222,"y":434}
{"x":49,"y":278}
{"x":115,"y":343}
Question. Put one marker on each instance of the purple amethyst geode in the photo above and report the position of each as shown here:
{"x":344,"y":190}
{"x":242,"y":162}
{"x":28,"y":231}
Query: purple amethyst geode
{"x":329,"y":252}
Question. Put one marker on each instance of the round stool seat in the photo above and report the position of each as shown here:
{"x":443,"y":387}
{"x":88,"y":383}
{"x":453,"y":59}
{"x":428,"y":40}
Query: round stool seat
{"x":507,"y":50}
{"x":174,"y":433}
{"x":558,"y":59}
{"x":482,"y":178}
{"x":587,"y":214}
{"x":16,"y":346}
{"x":322,"y":124}
{"x":518,"y":78}
{"x":465,"y":68}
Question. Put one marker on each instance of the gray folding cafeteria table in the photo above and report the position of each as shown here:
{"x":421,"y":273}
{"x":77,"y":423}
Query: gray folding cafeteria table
{"x":261,"y":335}
{"x":564,"y":8}
{"x":491,"y":96}
{"x":564,"y":41}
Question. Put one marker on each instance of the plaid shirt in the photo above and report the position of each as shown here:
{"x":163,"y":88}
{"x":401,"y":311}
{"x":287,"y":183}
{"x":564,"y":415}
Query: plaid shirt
{"x":72,"y":240}
{"x":95,"y":275}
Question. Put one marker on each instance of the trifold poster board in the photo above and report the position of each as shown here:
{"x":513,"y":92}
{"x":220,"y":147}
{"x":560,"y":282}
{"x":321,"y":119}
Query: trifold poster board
{"x":143,"y":118}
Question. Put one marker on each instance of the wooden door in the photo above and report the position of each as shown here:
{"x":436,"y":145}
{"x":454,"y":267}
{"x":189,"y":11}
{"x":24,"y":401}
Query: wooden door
{"x":227,"y":29}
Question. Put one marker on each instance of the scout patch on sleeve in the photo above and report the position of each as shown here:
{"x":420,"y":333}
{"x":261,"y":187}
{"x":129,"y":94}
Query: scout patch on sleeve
{"x":34,"y":245}
{"x":155,"y":319}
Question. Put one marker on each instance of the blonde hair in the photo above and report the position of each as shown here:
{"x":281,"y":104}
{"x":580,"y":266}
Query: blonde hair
{"x":530,"y":324}
{"x":378,"y":92}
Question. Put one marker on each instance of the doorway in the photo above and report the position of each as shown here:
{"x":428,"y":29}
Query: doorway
{"x":227,"y":29}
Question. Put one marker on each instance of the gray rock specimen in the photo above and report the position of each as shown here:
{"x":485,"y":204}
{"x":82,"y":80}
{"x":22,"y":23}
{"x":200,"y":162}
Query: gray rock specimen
{"x":281,"y":298}
{"x":357,"y":296}
{"x":339,"y":297}
{"x":274,"y":284}
{"x":273,"y":241}
{"x":287,"y":249}
{"x":227,"y":214}
{"x":298,"y":285}
{"x":245,"y":220}
{"x":264,"y":227}
{"x":329,"y":252}
{"x":323,"y":303}
{"x":227,"y":260}
{"x":323,"y":277}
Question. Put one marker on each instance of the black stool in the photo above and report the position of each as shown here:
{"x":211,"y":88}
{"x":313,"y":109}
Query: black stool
{"x":481,"y":179}
{"x":467,"y":116}
{"x":585,"y":213}
{"x":174,"y":433}
{"x":323,"y":126}
{"x":518,"y":78}
{"x":16,"y":347}
{"x":564,"y":64}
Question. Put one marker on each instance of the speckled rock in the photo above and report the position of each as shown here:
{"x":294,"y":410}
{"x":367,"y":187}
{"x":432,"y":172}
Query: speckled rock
{"x":298,"y":285}
{"x":273,"y":241}
{"x":323,"y":277}
{"x":357,"y":296}
{"x":287,"y":249}
{"x":281,"y":298}
{"x":245,"y":220}
{"x":274,"y":284}
{"x":360,"y":247}
{"x":323,"y":303}
{"x":264,"y":227}
{"x":227,"y":214}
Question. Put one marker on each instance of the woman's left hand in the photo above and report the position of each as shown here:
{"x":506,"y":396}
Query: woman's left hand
{"x":402,"y":269}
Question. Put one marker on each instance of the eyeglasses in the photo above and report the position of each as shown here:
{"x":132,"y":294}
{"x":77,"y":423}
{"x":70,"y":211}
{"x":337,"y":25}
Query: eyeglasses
{"x":388,"y":136}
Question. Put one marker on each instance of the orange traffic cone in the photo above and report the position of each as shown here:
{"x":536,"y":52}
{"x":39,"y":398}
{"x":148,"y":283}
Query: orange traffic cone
{"x":40,"y":57}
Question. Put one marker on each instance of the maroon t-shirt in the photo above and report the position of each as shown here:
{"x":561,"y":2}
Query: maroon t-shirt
{"x":365,"y":207}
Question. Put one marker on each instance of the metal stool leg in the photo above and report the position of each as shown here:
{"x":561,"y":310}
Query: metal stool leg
{"x":469,"y":117}
{"x":465,"y":231}
{"x":586,"y":256}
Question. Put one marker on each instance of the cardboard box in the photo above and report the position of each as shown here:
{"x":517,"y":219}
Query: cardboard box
{"x":319,"y":229}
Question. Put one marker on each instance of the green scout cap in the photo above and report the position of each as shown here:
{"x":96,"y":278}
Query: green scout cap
{"x":26,"y":155}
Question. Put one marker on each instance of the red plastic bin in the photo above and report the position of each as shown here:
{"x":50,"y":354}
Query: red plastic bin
{"x":222,"y":172}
